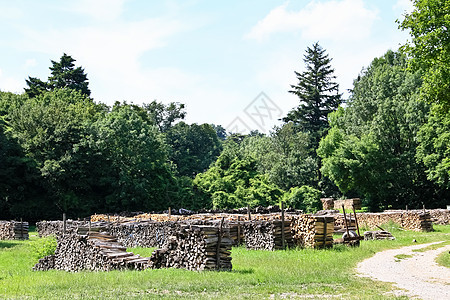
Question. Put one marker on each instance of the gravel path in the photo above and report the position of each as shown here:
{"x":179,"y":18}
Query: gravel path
{"x":419,"y":275}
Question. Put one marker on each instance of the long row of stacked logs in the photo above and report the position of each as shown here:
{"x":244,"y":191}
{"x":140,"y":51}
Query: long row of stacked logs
{"x":46,"y":228}
{"x":143,"y":233}
{"x":409,"y":220}
{"x":95,"y":251}
{"x":265,"y":232}
{"x":13,"y":230}
{"x":193,"y":247}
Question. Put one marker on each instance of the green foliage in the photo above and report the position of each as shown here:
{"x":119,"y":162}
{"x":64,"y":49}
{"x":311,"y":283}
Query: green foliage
{"x":64,"y":75}
{"x":284,"y":156}
{"x":371,"y":146}
{"x":135,"y":174}
{"x":429,"y":47}
{"x":43,"y":247}
{"x":186,"y":195}
{"x":434,"y":145}
{"x":163,"y":115}
{"x":49,"y":129}
{"x":220,"y":131}
{"x":317,"y":92}
{"x":192,"y":148}
{"x":234,"y":182}
{"x":305,"y":198}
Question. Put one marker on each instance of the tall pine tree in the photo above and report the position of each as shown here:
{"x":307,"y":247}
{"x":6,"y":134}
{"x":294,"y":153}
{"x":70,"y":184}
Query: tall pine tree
{"x":319,"y":95}
{"x":317,"y":92}
{"x":64,"y":75}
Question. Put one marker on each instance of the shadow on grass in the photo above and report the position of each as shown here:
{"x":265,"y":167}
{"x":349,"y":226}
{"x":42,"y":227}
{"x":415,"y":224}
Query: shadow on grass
{"x":4,"y":244}
{"x":244,"y":271}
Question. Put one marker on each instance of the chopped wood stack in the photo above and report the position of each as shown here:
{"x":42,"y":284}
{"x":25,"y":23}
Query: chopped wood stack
{"x":327,"y":203}
{"x":12,"y":230}
{"x":348,"y":204}
{"x":339,"y":223}
{"x":111,"y":218}
{"x":440,"y":216}
{"x":378,"y":235}
{"x":46,"y":228}
{"x":268,"y":235}
{"x":236,"y":232}
{"x":96,"y":251}
{"x":409,"y":220}
{"x":195,"y":247}
{"x":313,"y":231}
{"x":143,"y":233}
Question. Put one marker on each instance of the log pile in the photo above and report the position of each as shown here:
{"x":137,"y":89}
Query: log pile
{"x":327,"y":203}
{"x":236,"y":232}
{"x":268,"y":235}
{"x":409,"y":220}
{"x":143,"y":233}
{"x":96,"y":251}
{"x":378,"y":235}
{"x":46,"y":228}
{"x":348,"y":204}
{"x":195,"y":247}
{"x":339,"y":223}
{"x":313,"y":231}
{"x":440,"y":216}
{"x":12,"y":230}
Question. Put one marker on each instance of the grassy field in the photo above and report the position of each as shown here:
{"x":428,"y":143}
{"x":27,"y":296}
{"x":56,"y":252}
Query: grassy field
{"x":256,"y":275}
{"x":443,"y":259}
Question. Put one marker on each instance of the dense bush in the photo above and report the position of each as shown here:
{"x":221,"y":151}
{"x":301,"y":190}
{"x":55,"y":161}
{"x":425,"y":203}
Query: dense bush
{"x":305,"y":198}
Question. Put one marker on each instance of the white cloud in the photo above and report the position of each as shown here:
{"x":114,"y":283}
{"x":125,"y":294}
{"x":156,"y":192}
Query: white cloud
{"x":10,"y":84}
{"x":405,"y":6}
{"x":335,"y":20}
{"x":10,"y":12}
{"x":110,"y":53}
{"x":30,"y":63}
{"x":101,"y":10}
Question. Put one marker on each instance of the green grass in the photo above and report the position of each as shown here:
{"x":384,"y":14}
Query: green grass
{"x":432,"y":247}
{"x":402,"y":256}
{"x":144,"y":252}
{"x":255,"y":275}
{"x":443,"y":259}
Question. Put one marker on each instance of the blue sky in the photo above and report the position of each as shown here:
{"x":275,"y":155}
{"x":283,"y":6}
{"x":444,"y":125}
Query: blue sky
{"x":230,"y":62}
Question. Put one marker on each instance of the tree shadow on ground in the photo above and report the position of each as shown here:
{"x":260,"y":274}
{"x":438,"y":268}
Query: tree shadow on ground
{"x":5,"y":244}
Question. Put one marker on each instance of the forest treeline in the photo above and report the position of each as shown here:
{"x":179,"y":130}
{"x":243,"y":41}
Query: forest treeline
{"x":388,"y":143}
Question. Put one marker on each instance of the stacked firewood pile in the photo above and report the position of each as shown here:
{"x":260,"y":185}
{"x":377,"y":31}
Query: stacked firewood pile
{"x":12,"y":230}
{"x":195,"y":247}
{"x":46,"y":228}
{"x":409,"y":220}
{"x":111,"y":218}
{"x":378,"y":235}
{"x":313,"y":231}
{"x":268,"y":235}
{"x":348,"y":203}
{"x":339,"y":223}
{"x":327,"y":203}
{"x":143,"y":233}
{"x":440,"y":216}
{"x":96,"y":251}
{"x":236,"y":232}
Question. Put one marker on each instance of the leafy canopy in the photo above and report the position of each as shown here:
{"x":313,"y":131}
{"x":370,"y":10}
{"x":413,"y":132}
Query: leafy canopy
{"x":64,"y":74}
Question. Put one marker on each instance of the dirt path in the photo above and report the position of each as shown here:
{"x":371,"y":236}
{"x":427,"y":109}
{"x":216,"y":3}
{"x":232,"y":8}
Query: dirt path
{"x":418,"y":275}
